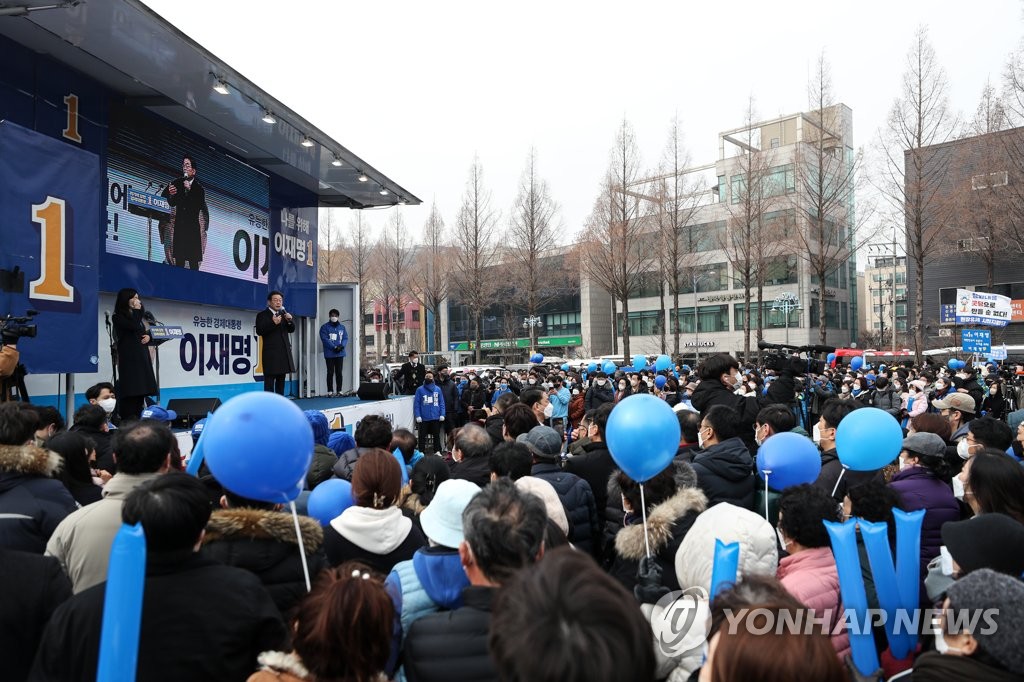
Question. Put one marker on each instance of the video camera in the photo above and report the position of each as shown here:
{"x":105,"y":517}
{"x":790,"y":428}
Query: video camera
{"x":13,"y":328}
{"x":779,"y":360}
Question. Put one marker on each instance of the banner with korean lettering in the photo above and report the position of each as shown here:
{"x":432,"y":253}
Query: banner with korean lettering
{"x":49,"y":249}
{"x":293,"y":246}
{"x":976,"y":340}
{"x":975,"y":307}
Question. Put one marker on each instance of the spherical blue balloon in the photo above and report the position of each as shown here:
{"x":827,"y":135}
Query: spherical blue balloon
{"x":642,"y":435}
{"x":591,"y":368}
{"x":960,"y":364}
{"x":565,"y":367}
{"x":537,"y":358}
{"x":609,"y":367}
{"x":329,"y":499}
{"x":662,"y":363}
{"x":259,"y":445}
{"x":660,"y":381}
{"x":830,"y":358}
{"x":639,"y":362}
{"x":789,"y":459}
{"x":856,"y":362}
{"x":868,"y":439}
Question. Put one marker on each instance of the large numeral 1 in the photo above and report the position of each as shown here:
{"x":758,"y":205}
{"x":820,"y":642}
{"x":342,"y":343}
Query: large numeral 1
{"x":71,"y":131}
{"x":52,"y":284}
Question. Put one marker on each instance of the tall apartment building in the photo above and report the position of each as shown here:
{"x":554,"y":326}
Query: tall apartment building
{"x":883,"y":303}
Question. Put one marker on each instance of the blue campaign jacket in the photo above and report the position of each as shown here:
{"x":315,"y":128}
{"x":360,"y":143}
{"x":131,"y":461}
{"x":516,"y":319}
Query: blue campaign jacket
{"x":428,"y":404}
{"x":431,"y":581}
{"x":340,"y":339}
{"x":560,"y":403}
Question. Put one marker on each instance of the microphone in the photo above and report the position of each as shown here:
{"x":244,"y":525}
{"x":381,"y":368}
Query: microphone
{"x":148,"y":317}
{"x":823,"y":349}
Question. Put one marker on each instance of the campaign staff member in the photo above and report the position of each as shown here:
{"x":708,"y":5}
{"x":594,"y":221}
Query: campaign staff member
{"x":335,"y":338}
{"x":191,"y":217}
{"x":275,"y":324}
{"x":136,"y":379}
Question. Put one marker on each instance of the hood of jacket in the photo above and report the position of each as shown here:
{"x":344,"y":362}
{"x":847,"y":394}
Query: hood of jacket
{"x":729,"y":459}
{"x":440,"y":571}
{"x":759,"y":553}
{"x":661,"y":521}
{"x":262,"y":524}
{"x":380,"y":531}
{"x":25,"y":460}
{"x":684,"y":475}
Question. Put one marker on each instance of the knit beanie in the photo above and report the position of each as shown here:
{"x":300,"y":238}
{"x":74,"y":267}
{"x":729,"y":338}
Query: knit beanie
{"x":986,"y":590}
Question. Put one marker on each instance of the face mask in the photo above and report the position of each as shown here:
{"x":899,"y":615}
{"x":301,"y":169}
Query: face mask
{"x":700,"y":440}
{"x":602,"y":382}
{"x":531,"y":381}
{"x":942,"y":647}
{"x":816,"y":435}
{"x":107,"y":404}
{"x":757,"y":437}
{"x":958,"y":488}
{"x":904,"y":464}
{"x":334,"y":320}
{"x":414,"y":362}
{"x":374,"y":381}
{"x":963,"y":448}
{"x":575,"y":391}
{"x":549,"y":410}
{"x":463,"y":383}
{"x":846,"y":389}
{"x":783,"y":542}
{"x":428,"y":381}
{"x":504,"y":387}
{"x":751,"y":385}
{"x":897,"y":386}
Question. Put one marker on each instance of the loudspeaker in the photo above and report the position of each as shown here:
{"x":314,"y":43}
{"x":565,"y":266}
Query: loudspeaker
{"x":191,"y":410}
{"x":370,"y":391}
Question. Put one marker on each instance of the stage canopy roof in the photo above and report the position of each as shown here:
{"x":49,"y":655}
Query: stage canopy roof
{"x":136,"y":53}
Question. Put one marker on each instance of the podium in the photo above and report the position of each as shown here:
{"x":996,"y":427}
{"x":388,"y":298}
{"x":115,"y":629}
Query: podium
{"x":151,"y":207}
{"x":160,"y":334}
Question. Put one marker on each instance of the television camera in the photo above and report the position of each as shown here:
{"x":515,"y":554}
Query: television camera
{"x":13,"y":328}
{"x":786,"y":358}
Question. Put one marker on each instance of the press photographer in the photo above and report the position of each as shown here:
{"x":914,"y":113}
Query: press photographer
{"x":12,"y":372}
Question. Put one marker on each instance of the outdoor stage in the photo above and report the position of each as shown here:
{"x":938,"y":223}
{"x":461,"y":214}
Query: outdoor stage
{"x":348,"y":411}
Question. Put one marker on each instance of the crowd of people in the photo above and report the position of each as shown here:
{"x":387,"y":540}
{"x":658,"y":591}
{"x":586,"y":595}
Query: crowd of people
{"x":500,"y":539}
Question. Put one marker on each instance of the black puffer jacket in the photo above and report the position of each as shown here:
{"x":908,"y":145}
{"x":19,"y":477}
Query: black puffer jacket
{"x":725,"y":472}
{"x":31,"y":503}
{"x":346,"y":464}
{"x":452,"y":645}
{"x":578,"y":500}
{"x":713,"y":392}
{"x":263,"y":543}
{"x":322,"y":466}
{"x":596,"y":396}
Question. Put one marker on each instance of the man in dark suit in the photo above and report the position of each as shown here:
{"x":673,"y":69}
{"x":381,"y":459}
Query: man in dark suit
{"x":191,"y":217}
{"x":412,"y":373}
{"x":275,"y":324}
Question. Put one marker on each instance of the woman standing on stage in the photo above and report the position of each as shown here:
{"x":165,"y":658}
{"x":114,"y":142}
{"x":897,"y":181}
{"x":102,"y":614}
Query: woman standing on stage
{"x":134,"y":365}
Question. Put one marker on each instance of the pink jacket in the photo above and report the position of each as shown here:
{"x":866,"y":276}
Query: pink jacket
{"x":919,"y":407}
{"x":811,"y":577}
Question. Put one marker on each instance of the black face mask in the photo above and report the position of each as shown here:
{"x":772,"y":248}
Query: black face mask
{"x":428,"y":381}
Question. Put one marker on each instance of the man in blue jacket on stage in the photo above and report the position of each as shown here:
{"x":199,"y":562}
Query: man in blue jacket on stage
{"x":428,"y":408}
{"x":334,"y":336}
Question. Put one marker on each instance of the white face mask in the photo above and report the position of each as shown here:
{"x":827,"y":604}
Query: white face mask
{"x":549,"y":409}
{"x":531,"y":381}
{"x":963,"y":448}
{"x":783,"y":542}
{"x":816,"y":434}
{"x":622,"y":387}
{"x":904,"y":463}
{"x":107,"y":404}
{"x":575,"y":391}
{"x":334,"y":320}
{"x":602,"y":382}
{"x":942,"y":646}
{"x":958,"y":488}
{"x":700,"y":440}
{"x":757,"y":437}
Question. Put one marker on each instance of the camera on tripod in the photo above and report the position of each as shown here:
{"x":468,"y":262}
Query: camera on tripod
{"x":779,"y":360}
{"x":13,"y":328}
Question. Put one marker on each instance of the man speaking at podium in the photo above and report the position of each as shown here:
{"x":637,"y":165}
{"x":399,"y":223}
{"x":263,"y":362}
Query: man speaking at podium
{"x":191,"y":217}
{"x":275,"y":324}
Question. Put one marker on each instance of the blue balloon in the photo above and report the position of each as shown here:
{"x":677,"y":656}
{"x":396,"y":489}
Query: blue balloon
{"x":259,"y":445}
{"x":723,"y":571}
{"x":662,"y":362}
{"x":952,"y":364}
{"x":122,"y":608}
{"x":642,"y":435}
{"x":788,"y":459}
{"x":660,"y":381}
{"x":851,"y":588}
{"x":609,"y":367}
{"x":960,"y":364}
{"x":329,"y":499}
{"x":856,"y":362}
{"x":591,"y":368}
{"x":565,"y":367}
{"x":639,"y":362}
{"x":830,"y":358}
{"x":868,"y":439}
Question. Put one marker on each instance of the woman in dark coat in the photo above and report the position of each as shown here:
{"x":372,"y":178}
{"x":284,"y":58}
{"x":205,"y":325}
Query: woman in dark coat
{"x":75,"y":452}
{"x":134,"y":365}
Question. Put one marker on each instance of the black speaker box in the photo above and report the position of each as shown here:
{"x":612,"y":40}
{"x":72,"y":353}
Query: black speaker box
{"x":369,"y":391}
{"x":191,"y":410}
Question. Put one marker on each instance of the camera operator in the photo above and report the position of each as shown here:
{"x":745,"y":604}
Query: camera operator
{"x":719,"y":378}
{"x":136,"y":379}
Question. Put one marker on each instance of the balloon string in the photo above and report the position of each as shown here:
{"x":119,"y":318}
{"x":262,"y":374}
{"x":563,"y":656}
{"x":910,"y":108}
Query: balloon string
{"x":766,"y":494}
{"x":643,"y":510}
{"x":302,"y":546}
{"x":841,"y":472}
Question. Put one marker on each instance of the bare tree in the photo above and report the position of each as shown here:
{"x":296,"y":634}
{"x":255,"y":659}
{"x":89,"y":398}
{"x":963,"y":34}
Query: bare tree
{"x":357,"y":267}
{"x":613,"y":241}
{"x":912,"y":177}
{"x":826,"y":182}
{"x":332,"y":259}
{"x":991,"y":115}
{"x":431,"y":278}
{"x":532,"y":233}
{"x":474,"y":249}
{"x":396,"y":258}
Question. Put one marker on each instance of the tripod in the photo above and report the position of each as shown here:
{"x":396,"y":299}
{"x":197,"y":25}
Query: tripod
{"x":14,"y":386}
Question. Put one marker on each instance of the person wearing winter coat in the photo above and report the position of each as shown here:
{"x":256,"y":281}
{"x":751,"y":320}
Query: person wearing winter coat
{"x":886,"y":397}
{"x":916,"y":401}
{"x":576,"y":406}
{"x":824,"y":436}
{"x":450,"y":393}
{"x":594,"y":464}
{"x":373,"y":431}
{"x":578,"y":499}
{"x":599,"y":393}
{"x":429,"y":411}
{"x":373,"y":531}
{"x":31,"y":588}
{"x":324,"y":459}
{"x":809,"y":571}
{"x":260,"y":538}
{"x":32,"y":503}
{"x":473,"y":398}
{"x":725,"y":469}
{"x":334,"y":338}
{"x":673,"y":503}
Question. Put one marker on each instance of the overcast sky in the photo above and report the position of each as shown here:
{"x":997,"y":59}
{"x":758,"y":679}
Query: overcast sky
{"x":418,"y":88}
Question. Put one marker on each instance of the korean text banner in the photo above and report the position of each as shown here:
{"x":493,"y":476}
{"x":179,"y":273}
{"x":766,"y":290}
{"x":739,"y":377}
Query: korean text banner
{"x":49,"y":229}
{"x":975,"y":307}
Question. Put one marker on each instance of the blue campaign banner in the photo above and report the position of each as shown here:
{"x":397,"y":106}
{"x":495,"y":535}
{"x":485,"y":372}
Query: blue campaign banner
{"x":976,"y":340}
{"x":49,"y":228}
{"x":293,"y":249}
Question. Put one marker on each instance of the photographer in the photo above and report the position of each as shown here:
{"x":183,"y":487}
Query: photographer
{"x":720,"y":376}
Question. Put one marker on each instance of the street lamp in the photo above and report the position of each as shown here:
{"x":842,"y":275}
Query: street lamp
{"x":787,"y":302}
{"x":697,"y":276}
{"x":532,"y":322}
